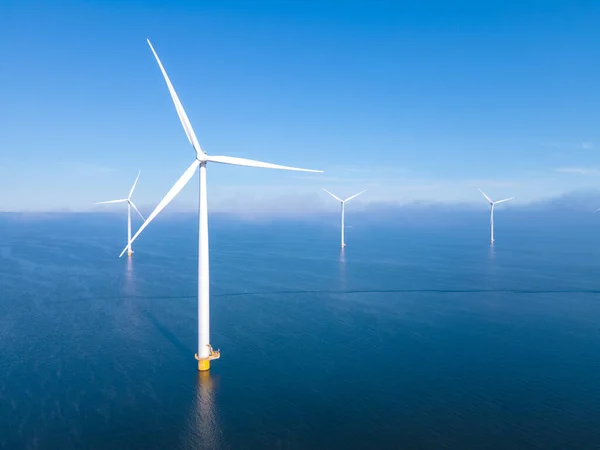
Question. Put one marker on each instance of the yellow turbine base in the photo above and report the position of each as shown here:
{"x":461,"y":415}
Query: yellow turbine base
{"x":204,"y":363}
{"x":129,"y":253}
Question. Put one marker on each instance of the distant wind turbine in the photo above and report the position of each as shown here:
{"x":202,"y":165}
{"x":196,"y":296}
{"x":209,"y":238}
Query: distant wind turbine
{"x":343,"y":202}
{"x":492,"y":204}
{"x":130,"y":205}
{"x":205,"y":351}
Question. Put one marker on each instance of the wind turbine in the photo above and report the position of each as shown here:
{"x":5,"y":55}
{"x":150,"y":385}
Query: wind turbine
{"x":343,"y":202}
{"x":205,"y":351}
{"x":130,"y":205}
{"x":492,"y":204}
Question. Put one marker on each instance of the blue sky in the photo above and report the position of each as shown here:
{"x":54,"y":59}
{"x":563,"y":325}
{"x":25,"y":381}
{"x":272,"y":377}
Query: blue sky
{"x":414,"y":101}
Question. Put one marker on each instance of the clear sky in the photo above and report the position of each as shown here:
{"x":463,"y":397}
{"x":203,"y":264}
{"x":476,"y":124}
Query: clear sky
{"x":418,"y":101}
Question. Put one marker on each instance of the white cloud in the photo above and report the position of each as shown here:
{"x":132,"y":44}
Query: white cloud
{"x":586,"y":145}
{"x":579,"y":170}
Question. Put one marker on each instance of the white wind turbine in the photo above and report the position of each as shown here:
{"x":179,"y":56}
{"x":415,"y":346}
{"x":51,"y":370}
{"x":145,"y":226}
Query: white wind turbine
{"x":343,"y":202}
{"x":492,"y":204}
{"x":205,"y":351}
{"x":130,"y":205}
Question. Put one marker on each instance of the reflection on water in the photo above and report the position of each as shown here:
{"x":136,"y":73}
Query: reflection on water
{"x":204,"y":429}
{"x":342,"y":279}
{"x":490,"y":267}
{"x":129,"y":287}
{"x":130,"y":320}
{"x":491,"y":252}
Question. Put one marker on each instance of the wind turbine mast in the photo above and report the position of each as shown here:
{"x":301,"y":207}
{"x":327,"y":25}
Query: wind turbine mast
{"x":343,"y":210}
{"x":130,"y":205}
{"x":493,"y":204}
{"x":343,"y":202}
{"x":205,"y":351}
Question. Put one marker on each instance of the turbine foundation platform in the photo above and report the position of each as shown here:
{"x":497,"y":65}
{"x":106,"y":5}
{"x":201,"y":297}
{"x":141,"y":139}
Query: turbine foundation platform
{"x":129,"y":254}
{"x":204,"y":363}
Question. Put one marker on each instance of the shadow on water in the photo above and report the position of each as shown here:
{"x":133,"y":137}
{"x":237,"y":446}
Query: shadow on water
{"x":204,"y":427}
{"x":168,"y":334}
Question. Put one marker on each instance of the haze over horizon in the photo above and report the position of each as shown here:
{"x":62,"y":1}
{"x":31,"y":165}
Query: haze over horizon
{"x":583,"y":203}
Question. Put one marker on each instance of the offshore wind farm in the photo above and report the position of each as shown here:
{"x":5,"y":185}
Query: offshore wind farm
{"x":403,"y":319}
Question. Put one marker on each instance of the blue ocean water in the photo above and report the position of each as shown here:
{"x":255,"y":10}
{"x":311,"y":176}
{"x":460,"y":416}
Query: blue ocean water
{"x":418,"y":335}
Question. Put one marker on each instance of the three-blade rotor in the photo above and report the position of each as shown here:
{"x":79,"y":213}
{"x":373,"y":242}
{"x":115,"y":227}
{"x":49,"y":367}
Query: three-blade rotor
{"x":128,"y":199}
{"x":201,"y":157}
{"x":346,"y":200}
{"x":493,"y":202}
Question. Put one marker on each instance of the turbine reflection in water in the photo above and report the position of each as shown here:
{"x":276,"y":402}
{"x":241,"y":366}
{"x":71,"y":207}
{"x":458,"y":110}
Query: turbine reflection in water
{"x":491,"y":268}
{"x":204,"y":429}
{"x":342,"y":279}
{"x":492,"y":253}
{"x":130,"y":321}
{"x":129,"y":287}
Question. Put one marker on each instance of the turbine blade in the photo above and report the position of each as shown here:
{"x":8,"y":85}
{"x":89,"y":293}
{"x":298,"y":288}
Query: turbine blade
{"x":111,"y":201}
{"x":337,"y":198}
{"x":355,"y":195}
{"x":251,"y":163}
{"x":502,"y":201}
{"x":185,"y":122}
{"x":487,"y":198}
{"x":134,"y":183}
{"x":178,"y":186}
{"x":136,"y":210}
{"x":597,"y":210}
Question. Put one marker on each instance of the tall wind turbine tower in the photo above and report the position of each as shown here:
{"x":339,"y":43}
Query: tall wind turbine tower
{"x":205,"y":351}
{"x":130,"y":205}
{"x":343,"y":202}
{"x":492,"y":204}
